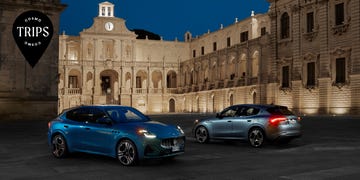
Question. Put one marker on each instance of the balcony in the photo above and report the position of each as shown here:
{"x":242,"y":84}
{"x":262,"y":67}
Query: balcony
{"x":241,"y":82}
{"x":195,"y":88}
{"x":70,"y":91}
{"x":253,"y":81}
{"x":230,"y":83}
{"x":171,"y":90}
{"x":220,"y":84}
{"x":210,"y":86}
{"x":141,"y":91}
{"x":156,"y":90}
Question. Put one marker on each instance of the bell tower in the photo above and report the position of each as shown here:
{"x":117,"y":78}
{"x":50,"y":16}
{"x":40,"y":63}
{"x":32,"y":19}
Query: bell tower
{"x":106,"y":9}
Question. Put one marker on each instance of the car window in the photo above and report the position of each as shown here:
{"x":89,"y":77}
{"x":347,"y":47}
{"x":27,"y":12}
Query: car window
{"x":229,"y":112}
{"x":241,"y":111}
{"x":125,"y":114}
{"x":279,"y":110}
{"x":78,"y":114}
{"x":252,"y":111}
{"x":95,"y":115}
{"x":132,"y":115}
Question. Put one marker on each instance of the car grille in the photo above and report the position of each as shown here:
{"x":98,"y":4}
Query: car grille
{"x":172,"y":142}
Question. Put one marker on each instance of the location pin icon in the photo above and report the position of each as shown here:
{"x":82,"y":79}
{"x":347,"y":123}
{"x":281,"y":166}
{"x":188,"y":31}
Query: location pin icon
{"x":32,"y":31}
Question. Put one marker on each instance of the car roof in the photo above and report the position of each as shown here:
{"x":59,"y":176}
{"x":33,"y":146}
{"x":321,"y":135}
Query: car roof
{"x":262,"y":106}
{"x":95,"y":105}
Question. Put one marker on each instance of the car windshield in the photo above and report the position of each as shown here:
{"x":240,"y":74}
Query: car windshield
{"x":125,"y":114}
{"x":279,"y":110}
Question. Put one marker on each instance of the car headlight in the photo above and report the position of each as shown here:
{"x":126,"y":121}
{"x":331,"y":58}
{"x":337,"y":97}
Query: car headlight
{"x":146,"y":133}
{"x":180,"y":130}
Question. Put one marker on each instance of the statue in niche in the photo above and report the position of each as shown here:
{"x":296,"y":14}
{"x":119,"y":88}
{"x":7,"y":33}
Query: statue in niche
{"x":128,"y":51}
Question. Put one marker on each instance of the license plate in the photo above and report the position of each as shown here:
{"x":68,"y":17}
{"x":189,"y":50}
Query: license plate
{"x":292,"y":121}
{"x":175,"y":148}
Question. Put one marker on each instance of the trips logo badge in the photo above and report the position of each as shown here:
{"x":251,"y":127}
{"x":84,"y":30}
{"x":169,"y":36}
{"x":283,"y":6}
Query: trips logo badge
{"x":32,"y":31}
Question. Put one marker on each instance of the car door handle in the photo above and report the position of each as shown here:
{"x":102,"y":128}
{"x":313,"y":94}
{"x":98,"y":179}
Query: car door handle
{"x":87,"y":128}
{"x":248,"y":120}
{"x":229,"y":121}
{"x":65,"y":126}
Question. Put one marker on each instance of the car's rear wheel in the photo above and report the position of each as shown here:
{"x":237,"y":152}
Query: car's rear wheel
{"x":202,"y":134}
{"x":256,"y":137}
{"x":59,"y":147}
{"x":126,"y":152}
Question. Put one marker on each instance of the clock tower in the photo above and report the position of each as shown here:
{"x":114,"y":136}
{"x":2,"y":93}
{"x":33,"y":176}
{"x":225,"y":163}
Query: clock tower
{"x":106,"y":9}
{"x":107,"y":23}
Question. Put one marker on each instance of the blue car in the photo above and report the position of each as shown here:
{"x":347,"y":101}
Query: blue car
{"x":121,"y":132}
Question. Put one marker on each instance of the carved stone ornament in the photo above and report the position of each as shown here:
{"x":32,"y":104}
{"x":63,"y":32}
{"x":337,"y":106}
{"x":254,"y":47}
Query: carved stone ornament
{"x":285,"y":90}
{"x":310,"y":36}
{"x":340,"y":29}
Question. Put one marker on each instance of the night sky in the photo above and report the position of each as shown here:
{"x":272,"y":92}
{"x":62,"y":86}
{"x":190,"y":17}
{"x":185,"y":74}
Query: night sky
{"x":168,"y":18}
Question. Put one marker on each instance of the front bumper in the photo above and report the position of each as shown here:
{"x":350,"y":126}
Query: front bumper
{"x":159,"y":148}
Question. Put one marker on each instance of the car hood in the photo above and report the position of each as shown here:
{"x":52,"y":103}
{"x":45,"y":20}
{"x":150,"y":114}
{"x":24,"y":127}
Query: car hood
{"x":161,"y":130}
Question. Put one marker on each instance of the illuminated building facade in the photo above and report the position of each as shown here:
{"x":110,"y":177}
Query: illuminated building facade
{"x":303,"y":54}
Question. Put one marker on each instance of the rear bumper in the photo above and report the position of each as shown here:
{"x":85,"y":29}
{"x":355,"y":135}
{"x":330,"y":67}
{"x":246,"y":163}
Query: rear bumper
{"x":289,"y":135}
{"x":283,"y":133}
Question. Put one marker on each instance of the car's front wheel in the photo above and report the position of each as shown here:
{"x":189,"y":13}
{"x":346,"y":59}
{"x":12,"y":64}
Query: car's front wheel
{"x":201,"y":134}
{"x":256,"y":137}
{"x":126,"y":152}
{"x":59,"y":147}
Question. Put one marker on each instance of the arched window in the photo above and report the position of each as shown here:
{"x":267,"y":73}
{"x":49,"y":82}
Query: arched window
{"x":285,"y":26}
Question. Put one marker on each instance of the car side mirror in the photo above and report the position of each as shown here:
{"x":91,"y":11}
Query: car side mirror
{"x":218,"y":116}
{"x":105,"y":120}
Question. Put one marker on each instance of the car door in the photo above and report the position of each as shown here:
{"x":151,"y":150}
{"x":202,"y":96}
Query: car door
{"x":74,"y":127}
{"x":246,"y":116}
{"x":222,"y":125}
{"x":99,"y":137}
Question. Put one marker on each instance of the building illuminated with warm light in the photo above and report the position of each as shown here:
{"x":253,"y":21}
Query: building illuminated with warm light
{"x":302,"y":54}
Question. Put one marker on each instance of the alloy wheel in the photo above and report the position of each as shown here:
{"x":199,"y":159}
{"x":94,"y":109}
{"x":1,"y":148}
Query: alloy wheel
{"x":201,"y":134}
{"x":59,"y":148}
{"x":256,"y":137}
{"x":126,"y":153}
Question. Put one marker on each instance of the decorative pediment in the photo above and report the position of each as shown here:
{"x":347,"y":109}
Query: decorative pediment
{"x":341,"y":51}
{"x":310,"y":36}
{"x":310,"y":57}
{"x":285,"y":60}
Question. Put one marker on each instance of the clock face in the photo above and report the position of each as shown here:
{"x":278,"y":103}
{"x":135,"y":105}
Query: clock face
{"x":109,"y":26}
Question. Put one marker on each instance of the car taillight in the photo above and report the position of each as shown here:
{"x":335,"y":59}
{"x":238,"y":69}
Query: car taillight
{"x":276,"y":120}
{"x":49,"y":124}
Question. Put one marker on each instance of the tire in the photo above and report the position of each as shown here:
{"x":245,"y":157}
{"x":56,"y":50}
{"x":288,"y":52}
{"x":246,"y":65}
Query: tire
{"x":126,"y":152}
{"x":59,"y":146}
{"x":256,"y":137}
{"x":202,"y":134}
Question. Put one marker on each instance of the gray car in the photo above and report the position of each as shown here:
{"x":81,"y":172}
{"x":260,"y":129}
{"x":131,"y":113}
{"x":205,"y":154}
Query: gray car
{"x":254,"y":123}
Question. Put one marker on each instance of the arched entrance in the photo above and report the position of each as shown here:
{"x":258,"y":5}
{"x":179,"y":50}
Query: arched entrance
{"x":109,"y":80}
{"x":171,"y":105}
